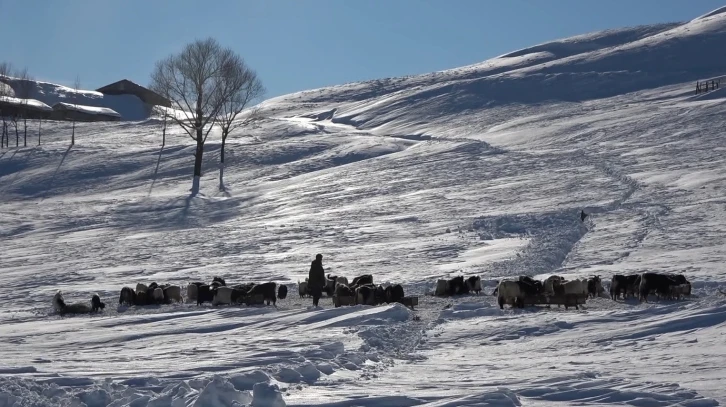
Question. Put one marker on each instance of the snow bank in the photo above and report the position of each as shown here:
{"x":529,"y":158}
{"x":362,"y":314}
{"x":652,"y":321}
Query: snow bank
{"x":267,"y":395}
{"x":216,"y":391}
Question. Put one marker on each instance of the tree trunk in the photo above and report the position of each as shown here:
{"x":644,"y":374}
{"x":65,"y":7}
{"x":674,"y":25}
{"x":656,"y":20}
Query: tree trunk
{"x":221,"y":160}
{"x":40,"y":123}
{"x":17,"y":135}
{"x":198,"y":162}
{"x":163,"y":133}
{"x":25,"y":132}
{"x":73,"y":134}
{"x":221,"y":177}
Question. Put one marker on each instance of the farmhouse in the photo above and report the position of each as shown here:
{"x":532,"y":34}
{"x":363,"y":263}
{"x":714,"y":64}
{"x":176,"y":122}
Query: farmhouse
{"x":81,"y":113}
{"x":126,"y":87}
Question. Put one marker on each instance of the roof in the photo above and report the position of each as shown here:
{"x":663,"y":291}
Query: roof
{"x":123,"y":83}
{"x":125,"y":86}
{"x":86,"y":109}
{"x":28,"y":103}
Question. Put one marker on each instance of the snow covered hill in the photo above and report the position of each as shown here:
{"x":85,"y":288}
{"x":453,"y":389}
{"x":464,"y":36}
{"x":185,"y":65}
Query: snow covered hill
{"x":477,"y":170}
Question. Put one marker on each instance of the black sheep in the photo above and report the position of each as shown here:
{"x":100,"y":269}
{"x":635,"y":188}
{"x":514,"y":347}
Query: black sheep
{"x":127,"y":296}
{"x":267,"y":290}
{"x":282,"y":292}
{"x":361,"y":280}
{"x":396,"y":293}
{"x":96,"y":304}
{"x":204,"y":294}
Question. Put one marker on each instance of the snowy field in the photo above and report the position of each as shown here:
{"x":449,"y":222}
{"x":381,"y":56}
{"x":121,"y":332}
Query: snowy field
{"x":478,"y":170}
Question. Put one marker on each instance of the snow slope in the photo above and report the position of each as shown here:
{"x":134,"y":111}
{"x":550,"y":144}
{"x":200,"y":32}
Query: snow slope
{"x":478,"y":170}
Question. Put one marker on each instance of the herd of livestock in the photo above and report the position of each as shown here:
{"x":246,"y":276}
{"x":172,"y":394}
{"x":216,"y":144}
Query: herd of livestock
{"x":361,"y":290}
{"x":556,"y":290}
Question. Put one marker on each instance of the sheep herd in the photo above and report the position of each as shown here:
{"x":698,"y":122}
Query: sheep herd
{"x":524,"y":289}
{"x":361,"y":290}
{"x":217,"y":292}
{"x":556,"y":290}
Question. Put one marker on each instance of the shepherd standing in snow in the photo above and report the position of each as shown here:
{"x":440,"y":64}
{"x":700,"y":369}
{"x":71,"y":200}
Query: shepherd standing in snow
{"x":316,"y":279}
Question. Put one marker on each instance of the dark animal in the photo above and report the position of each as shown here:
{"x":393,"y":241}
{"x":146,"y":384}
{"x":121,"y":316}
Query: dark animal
{"x":329,"y":288}
{"x":474,"y":284}
{"x":394,"y":293}
{"x":282,"y":292}
{"x":267,"y":290}
{"x":594,"y":285}
{"x":632,"y":285}
{"x":128,"y":296}
{"x":361,"y":280}
{"x":342,"y":290}
{"x":379,"y":295}
{"x":205,"y":293}
{"x":365,"y":294}
{"x":78,"y":308}
{"x":219,"y":280}
{"x":96,"y":304}
{"x":530,"y":286}
{"x":618,"y":285}
{"x":245,"y":288}
{"x":141,"y":299}
{"x":192,"y":290}
{"x":457,"y":286}
{"x":661,"y":285}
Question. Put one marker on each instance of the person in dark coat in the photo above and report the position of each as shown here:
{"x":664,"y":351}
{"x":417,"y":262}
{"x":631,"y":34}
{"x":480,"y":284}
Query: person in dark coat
{"x":583,"y":215}
{"x":316,"y":279}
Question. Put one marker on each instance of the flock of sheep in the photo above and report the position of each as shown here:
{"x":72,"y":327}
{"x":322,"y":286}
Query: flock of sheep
{"x":361,"y":290}
{"x":555,"y":289}
{"x":217,"y":292}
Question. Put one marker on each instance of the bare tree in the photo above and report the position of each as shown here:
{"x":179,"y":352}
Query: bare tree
{"x":164,"y":114}
{"x":196,"y":82}
{"x":24,"y":91}
{"x":5,"y":69}
{"x":244,"y":87}
{"x":14,"y":117}
{"x":76,"y":88}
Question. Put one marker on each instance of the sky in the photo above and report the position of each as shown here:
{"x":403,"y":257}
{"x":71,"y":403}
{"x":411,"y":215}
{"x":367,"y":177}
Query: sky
{"x":302,"y":44}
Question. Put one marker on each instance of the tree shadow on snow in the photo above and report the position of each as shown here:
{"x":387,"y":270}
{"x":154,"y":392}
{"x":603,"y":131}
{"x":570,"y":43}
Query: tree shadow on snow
{"x":60,"y":164}
{"x":176,"y":213}
{"x":156,"y":170}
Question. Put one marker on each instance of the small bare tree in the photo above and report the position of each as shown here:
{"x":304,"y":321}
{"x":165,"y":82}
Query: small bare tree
{"x":76,"y":88}
{"x":24,"y":92}
{"x":5,"y":69}
{"x":244,"y":87}
{"x":196,"y":82}
{"x":163,"y":111}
